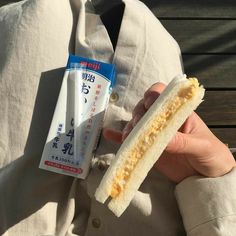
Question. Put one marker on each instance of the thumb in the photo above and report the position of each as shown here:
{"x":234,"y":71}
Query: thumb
{"x":185,"y":144}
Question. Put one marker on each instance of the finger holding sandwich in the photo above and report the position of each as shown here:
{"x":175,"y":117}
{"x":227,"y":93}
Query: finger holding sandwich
{"x":164,"y":133}
{"x":194,"y":149}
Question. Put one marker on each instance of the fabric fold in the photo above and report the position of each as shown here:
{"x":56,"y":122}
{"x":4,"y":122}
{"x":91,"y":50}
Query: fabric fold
{"x":207,"y":200}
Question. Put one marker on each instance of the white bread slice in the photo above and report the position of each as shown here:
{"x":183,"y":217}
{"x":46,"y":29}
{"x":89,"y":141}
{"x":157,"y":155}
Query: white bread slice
{"x":138,"y":174}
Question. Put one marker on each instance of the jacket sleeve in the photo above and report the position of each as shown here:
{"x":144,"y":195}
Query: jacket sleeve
{"x":208,"y":205}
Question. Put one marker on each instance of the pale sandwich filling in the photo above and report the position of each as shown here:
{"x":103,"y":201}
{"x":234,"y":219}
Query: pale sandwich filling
{"x":146,"y":140}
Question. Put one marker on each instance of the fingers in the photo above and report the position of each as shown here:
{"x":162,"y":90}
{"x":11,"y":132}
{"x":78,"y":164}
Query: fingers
{"x":114,"y":136}
{"x":191,"y":124}
{"x":127,"y":130}
{"x":143,"y":105}
{"x":149,"y":97}
{"x":178,"y":144}
{"x":138,"y":112}
{"x":139,"y":108}
{"x":152,"y":94}
{"x":188,"y":145}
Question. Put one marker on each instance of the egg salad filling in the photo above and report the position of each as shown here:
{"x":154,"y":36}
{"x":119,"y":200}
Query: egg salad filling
{"x":147,"y":139}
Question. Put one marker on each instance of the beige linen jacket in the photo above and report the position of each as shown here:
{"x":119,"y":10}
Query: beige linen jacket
{"x":36,"y":37}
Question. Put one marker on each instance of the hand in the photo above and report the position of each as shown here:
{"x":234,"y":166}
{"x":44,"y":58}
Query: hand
{"x":194,"y":150}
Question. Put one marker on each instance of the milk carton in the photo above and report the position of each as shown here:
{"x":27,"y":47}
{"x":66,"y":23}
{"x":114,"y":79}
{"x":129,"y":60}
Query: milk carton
{"x":78,"y":116}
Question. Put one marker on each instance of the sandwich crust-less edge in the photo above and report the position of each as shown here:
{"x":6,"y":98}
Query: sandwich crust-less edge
{"x":119,"y":203}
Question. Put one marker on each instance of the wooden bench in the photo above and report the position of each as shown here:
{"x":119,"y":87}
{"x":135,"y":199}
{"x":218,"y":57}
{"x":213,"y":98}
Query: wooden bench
{"x":206,"y":31}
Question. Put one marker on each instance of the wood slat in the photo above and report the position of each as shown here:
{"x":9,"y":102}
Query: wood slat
{"x":214,"y":71}
{"x":226,"y":135}
{"x":203,"y":36}
{"x":219,"y":108}
{"x":4,"y":2}
{"x":193,"y":8}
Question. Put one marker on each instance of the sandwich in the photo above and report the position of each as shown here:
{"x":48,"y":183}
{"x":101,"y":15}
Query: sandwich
{"x":146,"y":142}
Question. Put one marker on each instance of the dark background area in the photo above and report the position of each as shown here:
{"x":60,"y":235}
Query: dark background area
{"x":206,"y":33}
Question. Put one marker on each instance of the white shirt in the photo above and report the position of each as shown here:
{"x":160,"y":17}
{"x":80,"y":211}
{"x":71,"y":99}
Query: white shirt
{"x":35,"y":40}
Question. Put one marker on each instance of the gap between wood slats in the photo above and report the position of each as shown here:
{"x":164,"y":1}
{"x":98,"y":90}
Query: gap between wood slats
{"x":219,"y":89}
{"x":208,"y":53}
{"x":203,"y":36}
{"x":214,"y":71}
{"x":218,"y":108}
{"x":196,"y":18}
{"x":226,"y":135}
{"x":234,"y":154}
{"x":221,"y":126}
{"x":192,"y":8}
